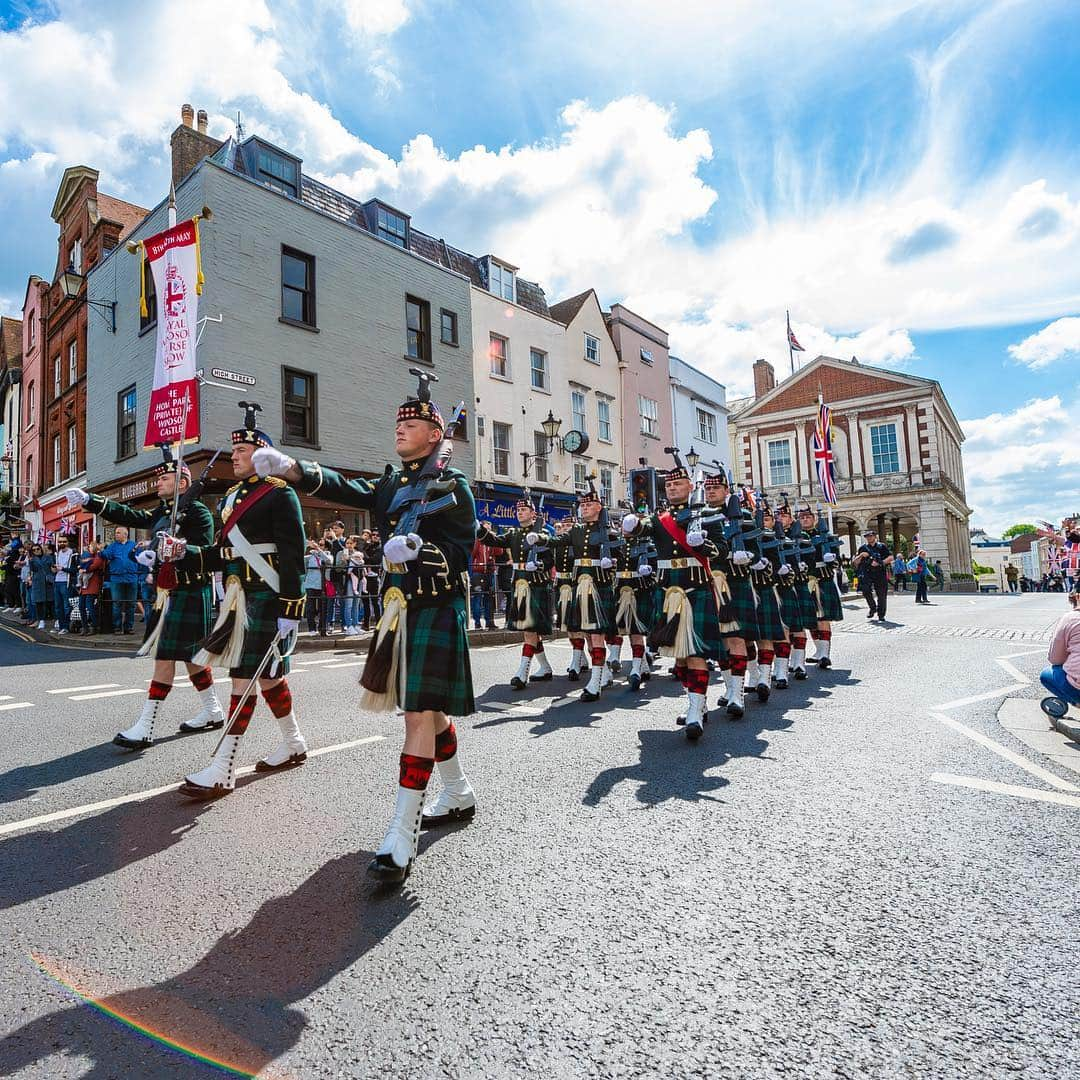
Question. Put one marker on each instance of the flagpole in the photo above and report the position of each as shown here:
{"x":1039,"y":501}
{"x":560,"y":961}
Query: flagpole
{"x":791,"y":354}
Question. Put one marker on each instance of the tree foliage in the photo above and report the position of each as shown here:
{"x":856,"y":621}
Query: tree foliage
{"x":1020,"y":529}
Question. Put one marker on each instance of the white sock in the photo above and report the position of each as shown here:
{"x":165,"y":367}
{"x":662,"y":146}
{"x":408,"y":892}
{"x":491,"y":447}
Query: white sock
{"x":695,"y":711}
{"x":523,"y":668}
{"x":595,"y":679}
{"x":635,"y":665}
{"x":798,"y":658}
{"x":613,"y":651}
{"x":577,"y":660}
{"x":542,"y":665}
{"x":779,"y":667}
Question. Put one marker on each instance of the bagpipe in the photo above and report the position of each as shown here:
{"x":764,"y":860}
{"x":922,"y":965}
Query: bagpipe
{"x":825,"y":542}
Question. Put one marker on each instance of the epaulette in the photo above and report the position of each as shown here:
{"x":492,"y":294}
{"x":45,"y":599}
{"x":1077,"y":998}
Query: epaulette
{"x":276,"y":481}
{"x":235,"y":487}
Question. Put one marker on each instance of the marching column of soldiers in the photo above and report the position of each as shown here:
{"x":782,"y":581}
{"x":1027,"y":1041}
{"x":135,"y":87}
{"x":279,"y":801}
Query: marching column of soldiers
{"x":715,"y":580}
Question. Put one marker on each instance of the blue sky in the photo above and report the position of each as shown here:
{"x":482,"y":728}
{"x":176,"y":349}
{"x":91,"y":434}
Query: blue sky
{"x":901,"y":175}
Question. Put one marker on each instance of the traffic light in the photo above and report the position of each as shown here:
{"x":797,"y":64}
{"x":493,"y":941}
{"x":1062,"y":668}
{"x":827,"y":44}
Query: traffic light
{"x":643,"y":488}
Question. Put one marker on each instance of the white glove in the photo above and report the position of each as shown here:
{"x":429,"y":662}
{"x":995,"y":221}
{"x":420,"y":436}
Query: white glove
{"x":741,"y":558}
{"x":76,"y":497}
{"x":630,"y":523}
{"x":606,"y":563}
{"x":532,"y":539}
{"x":145,"y":558}
{"x":399,"y":550}
{"x":830,"y":557}
{"x":760,"y":564}
{"x":695,"y":538}
{"x":644,"y":569}
{"x":530,"y":566}
{"x":784,"y":570}
{"x":285,"y":627}
{"x":802,"y":566}
{"x":270,"y":462}
{"x":171,"y":548}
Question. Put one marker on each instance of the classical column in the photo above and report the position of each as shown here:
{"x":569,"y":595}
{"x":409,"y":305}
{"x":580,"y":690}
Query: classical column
{"x":881,"y":526}
{"x":851,"y":537}
{"x":896,"y":533}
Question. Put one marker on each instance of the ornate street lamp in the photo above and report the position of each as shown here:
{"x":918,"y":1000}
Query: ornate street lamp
{"x":71,"y":283}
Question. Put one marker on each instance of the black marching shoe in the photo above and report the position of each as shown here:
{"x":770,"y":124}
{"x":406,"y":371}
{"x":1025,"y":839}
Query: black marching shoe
{"x":634,"y":682}
{"x":616,"y":667}
{"x":289,"y":763}
{"x":546,"y":677}
{"x":799,"y":673}
{"x":516,"y":684}
{"x":680,"y":721}
{"x":132,"y":744}
{"x":588,"y":695}
{"x":572,"y":674}
{"x":211,"y":725}
{"x":780,"y":684}
{"x":762,"y":692}
{"x":734,"y":711}
{"x":694,"y":732}
{"x":824,"y":663}
{"x":383,"y":869}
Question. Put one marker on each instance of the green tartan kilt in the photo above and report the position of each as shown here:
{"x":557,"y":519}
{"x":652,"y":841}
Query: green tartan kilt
{"x":605,"y":621}
{"x":539,"y":608}
{"x":556,"y":613}
{"x":831,"y":608}
{"x":744,"y":607}
{"x":645,"y":609}
{"x":262,"y":616}
{"x":188,"y":619}
{"x":706,"y":622}
{"x":770,"y":622}
{"x":807,"y":605}
{"x":791,"y":611}
{"x":648,"y":606}
{"x":437,"y":671}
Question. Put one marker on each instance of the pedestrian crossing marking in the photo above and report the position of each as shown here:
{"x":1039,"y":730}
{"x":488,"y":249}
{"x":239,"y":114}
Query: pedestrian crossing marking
{"x":105,"y":693}
{"x":5,"y":697}
{"x":16,"y":705}
{"x":1015,"y":790}
{"x":80,"y":689}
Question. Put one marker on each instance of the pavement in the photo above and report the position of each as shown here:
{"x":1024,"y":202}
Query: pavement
{"x":870,"y":875}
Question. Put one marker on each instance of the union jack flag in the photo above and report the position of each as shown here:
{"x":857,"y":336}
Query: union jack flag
{"x":824,"y":460}
{"x":792,"y":341}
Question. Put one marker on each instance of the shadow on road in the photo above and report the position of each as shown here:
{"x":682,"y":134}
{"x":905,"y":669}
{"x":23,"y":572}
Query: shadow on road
{"x":236,"y":1005}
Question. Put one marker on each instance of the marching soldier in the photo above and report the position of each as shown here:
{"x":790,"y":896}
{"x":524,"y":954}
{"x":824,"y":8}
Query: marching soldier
{"x":529,"y":607}
{"x":688,"y":628}
{"x":184,"y":607}
{"x":804,"y":616}
{"x":260,"y":552}
{"x":635,"y":603}
{"x":419,"y":656}
{"x":822,"y":570}
{"x":732,"y":574}
{"x":774,"y":648}
{"x":592,"y":608}
{"x":564,"y":600}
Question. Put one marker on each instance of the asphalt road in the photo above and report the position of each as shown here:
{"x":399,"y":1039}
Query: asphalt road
{"x":868,"y":876}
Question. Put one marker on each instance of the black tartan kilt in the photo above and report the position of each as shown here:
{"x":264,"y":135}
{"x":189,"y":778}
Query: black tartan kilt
{"x":648,"y":606}
{"x":706,"y":622}
{"x":831,"y":608}
{"x":770,"y":622}
{"x":606,"y":613}
{"x":188,"y":619}
{"x":791,"y":611}
{"x":807,"y":605}
{"x":744,"y":607}
{"x":556,"y":614}
{"x":262,"y":616}
{"x":539,"y":606}
{"x":437,"y":671}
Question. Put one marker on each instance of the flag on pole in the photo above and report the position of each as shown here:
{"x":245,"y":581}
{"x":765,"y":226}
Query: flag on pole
{"x":174,"y":261}
{"x":793,"y":342}
{"x":824,"y":460}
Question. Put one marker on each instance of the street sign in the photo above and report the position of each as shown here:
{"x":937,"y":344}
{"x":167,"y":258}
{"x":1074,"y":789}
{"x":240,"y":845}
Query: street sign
{"x":237,"y":377}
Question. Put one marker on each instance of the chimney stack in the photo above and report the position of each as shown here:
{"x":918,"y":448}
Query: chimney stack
{"x":764,"y":378}
{"x":190,"y":144}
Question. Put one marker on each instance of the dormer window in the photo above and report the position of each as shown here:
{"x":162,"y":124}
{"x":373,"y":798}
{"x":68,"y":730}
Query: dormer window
{"x":501,"y":280}
{"x":272,"y":167}
{"x":392,"y":226}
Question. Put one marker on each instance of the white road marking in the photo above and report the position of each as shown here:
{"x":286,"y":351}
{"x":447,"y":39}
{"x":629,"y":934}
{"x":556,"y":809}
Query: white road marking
{"x":5,"y":697}
{"x":139,"y":796}
{"x":1014,"y":655}
{"x":313,"y":663}
{"x":1007,"y":789}
{"x":78,"y":689}
{"x":105,"y":693}
{"x":1001,"y":691}
{"x":1002,"y":751}
{"x":1014,"y":671}
{"x":347,"y":663}
{"x":179,"y":680}
{"x":16,"y":705}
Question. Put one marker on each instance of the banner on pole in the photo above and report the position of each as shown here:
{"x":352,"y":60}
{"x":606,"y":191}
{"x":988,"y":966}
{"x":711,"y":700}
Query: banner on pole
{"x":173,"y":256}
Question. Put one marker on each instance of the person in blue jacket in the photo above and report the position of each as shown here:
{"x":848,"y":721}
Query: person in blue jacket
{"x":124,"y":573}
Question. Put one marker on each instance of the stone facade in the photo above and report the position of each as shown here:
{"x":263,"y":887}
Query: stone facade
{"x":896,"y":444}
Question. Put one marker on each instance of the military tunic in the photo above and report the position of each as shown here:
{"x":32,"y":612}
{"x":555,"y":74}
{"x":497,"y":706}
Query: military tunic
{"x":592,"y":610}
{"x":823,"y":587}
{"x":563,"y":555}
{"x":438,"y":675}
{"x":273,"y":524}
{"x":535,"y":585}
{"x":190,"y":611}
{"x":807,"y":615}
{"x":738,"y":582}
{"x":635,"y":596}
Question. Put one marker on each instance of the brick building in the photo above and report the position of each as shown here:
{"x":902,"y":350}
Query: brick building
{"x":91,"y":224}
{"x":896,"y":443}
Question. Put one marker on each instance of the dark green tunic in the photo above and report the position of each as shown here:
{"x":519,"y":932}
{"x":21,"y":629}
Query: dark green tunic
{"x":598,"y":617}
{"x":538,"y":580}
{"x":190,"y":611}
{"x":274,"y":519}
{"x":438,"y":674}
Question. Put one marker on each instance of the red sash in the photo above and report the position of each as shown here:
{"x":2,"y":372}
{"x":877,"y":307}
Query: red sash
{"x":249,"y":500}
{"x":678,"y":534}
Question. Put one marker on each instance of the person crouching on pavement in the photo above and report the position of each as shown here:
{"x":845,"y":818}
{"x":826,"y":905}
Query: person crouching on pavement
{"x":1062,"y":677}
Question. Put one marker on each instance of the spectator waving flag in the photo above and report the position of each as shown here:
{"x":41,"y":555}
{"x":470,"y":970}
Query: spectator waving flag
{"x":823,"y":454}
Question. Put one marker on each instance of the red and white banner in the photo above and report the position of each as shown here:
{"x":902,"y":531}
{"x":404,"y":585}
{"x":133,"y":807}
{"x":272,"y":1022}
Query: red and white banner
{"x":173,"y":256}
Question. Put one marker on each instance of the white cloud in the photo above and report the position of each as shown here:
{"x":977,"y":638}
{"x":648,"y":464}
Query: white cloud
{"x":376,"y":18}
{"x":1061,"y":338}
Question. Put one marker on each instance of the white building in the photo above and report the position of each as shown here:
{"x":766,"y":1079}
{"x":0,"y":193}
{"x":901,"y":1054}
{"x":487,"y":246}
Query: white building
{"x":699,"y":412}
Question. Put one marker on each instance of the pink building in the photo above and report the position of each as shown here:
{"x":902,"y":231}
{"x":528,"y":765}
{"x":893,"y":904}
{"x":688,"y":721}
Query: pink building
{"x":32,"y":437}
{"x":644,"y":389}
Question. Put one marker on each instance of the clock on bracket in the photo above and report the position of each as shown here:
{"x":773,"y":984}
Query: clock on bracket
{"x":575,"y":442}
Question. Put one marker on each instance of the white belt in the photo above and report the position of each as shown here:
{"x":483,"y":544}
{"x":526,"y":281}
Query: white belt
{"x":259,"y":549}
{"x":678,"y":564}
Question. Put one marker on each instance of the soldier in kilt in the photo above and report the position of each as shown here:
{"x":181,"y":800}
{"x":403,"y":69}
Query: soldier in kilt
{"x":529,"y":606}
{"x":804,"y":617}
{"x":260,"y":553}
{"x":592,"y":609}
{"x":774,"y":648}
{"x":564,"y":556}
{"x":731,"y":571}
{"x":419,"y":656}
{"x":688,"y":627}
{"x":822,"y":571}
{"x":635,"y":603}
{"x":183,"y":610}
